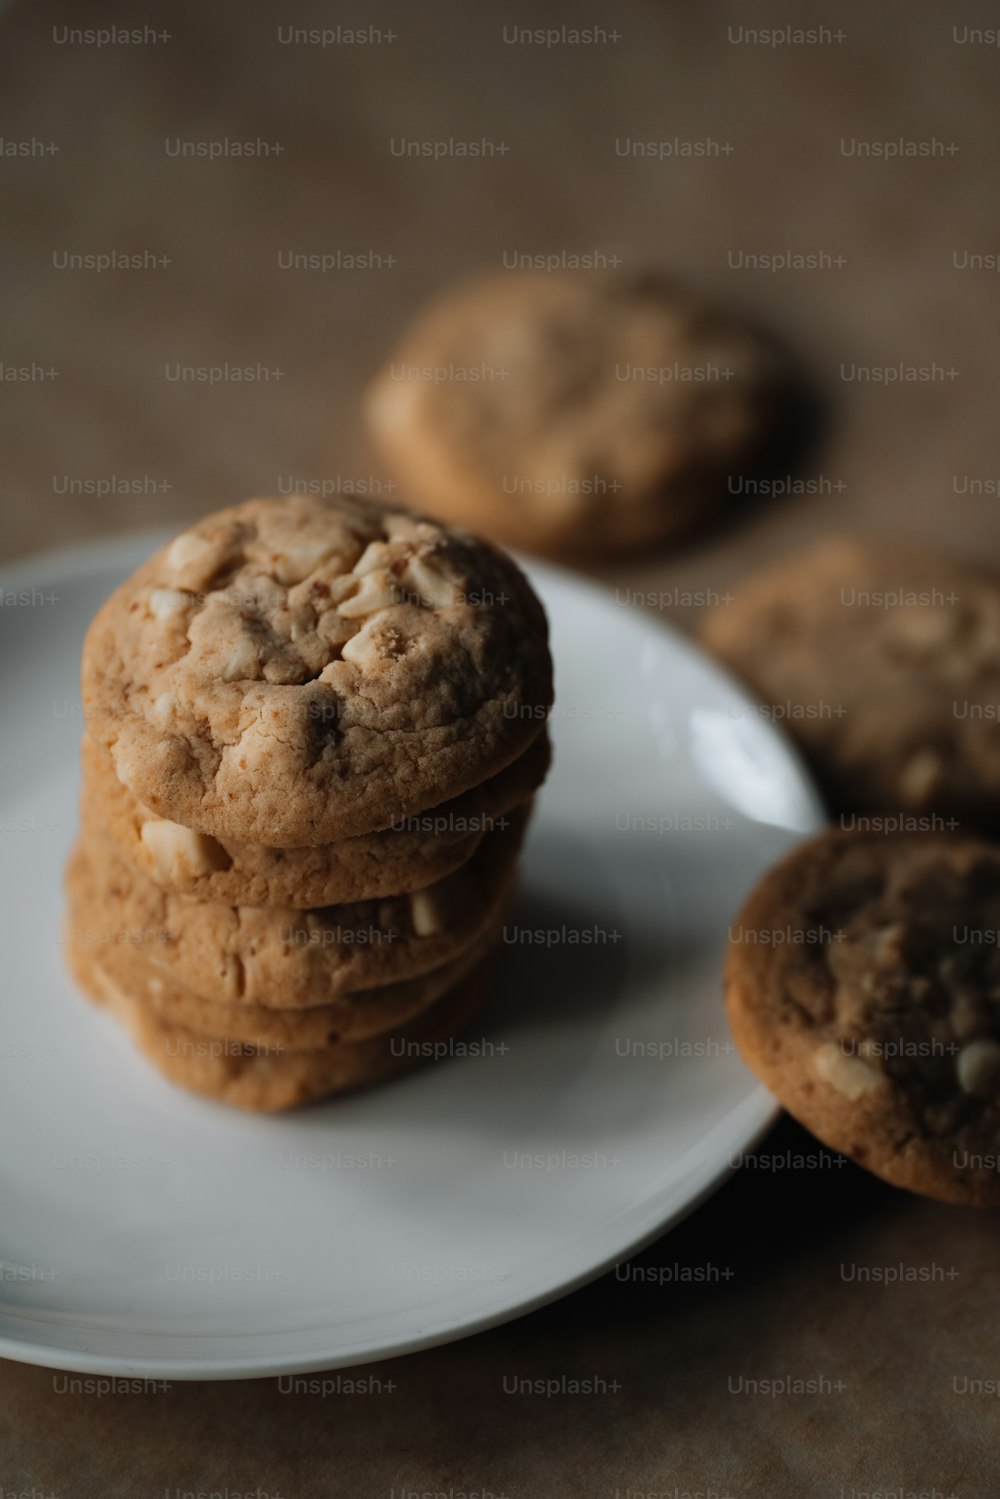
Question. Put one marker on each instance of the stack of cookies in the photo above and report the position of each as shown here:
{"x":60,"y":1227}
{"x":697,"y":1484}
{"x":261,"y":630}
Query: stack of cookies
{"x":315,"y":728}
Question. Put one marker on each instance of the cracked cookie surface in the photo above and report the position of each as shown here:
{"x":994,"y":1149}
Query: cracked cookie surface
{"x":291,"y":672}
{"x":863,"y":988}
{"x":884,"y":665}
{"x":573,"y":413}
{"x":406,"y":857}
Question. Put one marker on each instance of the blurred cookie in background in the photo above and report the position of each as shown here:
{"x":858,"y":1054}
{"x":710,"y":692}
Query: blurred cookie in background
{"x":574,"y":413}
{"x":883,"y":663}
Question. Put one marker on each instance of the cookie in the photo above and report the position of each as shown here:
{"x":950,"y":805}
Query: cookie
{"x":863,"y":988}
{"x":291,"y":959}
{"x":270,"y":1080}
{"x":296,"y":671}
{"x":884,"y":665}
{"x":352,"y":1017}
{"x":418,"y":852}
{"x":569,"y":413}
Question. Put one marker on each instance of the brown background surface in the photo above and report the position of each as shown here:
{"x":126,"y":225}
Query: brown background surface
{"x":895,"y":463}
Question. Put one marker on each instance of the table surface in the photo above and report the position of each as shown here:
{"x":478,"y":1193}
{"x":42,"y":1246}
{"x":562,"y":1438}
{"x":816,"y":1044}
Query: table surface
{"x":112,"y":441}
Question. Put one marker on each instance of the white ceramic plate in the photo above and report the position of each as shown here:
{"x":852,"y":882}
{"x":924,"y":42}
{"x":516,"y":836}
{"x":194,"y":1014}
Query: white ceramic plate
{"x":144,"y":1232}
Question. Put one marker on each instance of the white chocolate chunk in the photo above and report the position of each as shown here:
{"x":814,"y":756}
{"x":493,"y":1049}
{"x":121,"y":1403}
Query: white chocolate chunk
{"x":175,"y":850}
{"x":849,"y":1076}
{"x":192,"y":559}
{"x":978,"y":1069}
{"x":168,"y":603}
{"x":244,"y":661}
{"x":301,"y":560}
{"x":376,"y":555}
{"x":376,"y":591}
{"x":362,"y":649}
{"x":432,"y":589}
{"x":920,"y":776}
{"x":426,"y":913}
{"x":165,"y":707}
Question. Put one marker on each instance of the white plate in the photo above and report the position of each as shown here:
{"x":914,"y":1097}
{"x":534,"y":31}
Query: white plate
{"x":147,"y":1232}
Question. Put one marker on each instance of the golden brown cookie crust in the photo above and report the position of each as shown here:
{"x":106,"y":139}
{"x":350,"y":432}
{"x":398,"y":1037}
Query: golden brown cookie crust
{"x":290,"y":959}
{"x":572,"y":413}
{"x":351,"y":1017}
{"x":270,"y":1081}
{"x":861,"y":983}
{"x":295,"y":671}
{"x":418,"y":852}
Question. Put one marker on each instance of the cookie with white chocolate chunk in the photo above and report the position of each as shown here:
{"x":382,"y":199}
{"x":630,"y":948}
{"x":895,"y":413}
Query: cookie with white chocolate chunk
{"x":292,"y":959}
{"x":863,"y":989}
{"x":884,"y":665}
{"x":292,"y":672}
{"x":270,"y":1077}
{"x":417,"y":852}
{"x":314,"y":731}
{"x":348,"y":1017}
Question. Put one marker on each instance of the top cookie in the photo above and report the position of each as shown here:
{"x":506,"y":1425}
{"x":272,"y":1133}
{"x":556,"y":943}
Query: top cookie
{"x":296,"y":671}
{"x":884,"y":665}
{"x":575,"y":413}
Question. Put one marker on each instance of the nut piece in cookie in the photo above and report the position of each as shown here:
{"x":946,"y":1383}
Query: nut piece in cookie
{"x":399,"y":860}
{"x":291,"y":672}
{"x":349,"y":1017}
{"x":572,"y":413}
{"x":294,"y":959}
{"x":863,"y":989}
{"x":884,"y":665}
